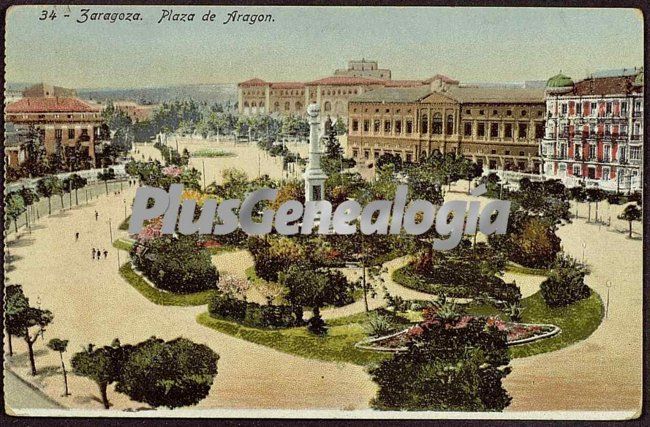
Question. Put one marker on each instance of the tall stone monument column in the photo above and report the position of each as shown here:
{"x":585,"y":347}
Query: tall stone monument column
{"x":314,"y":176}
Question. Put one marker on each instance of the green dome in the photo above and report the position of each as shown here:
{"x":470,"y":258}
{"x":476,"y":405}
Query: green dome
{"x":559,"y":80}
{"x":638,"y":81}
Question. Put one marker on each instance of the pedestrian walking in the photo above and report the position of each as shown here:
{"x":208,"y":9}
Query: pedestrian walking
{"x":105,"y":253}
{"x":76,"y":236}
{"x":93,"y":253}
{"x":96,"y":215}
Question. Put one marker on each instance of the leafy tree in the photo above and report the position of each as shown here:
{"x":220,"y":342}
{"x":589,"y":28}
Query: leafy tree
{"x":29,"y":197}
{"x":36,"y":162}
{"x":47,"y":187}
{"x":102,"y":365}
{"x":106,"y":175}
{"x":596,"y":195}
{"x":629,"y":214}
{"x":176,"y":264}
{"x":565,"y":284}
{"x":173,"y":374}
{"x":24,"y":322}
{"x":14,"y":207}
{"x":339,"y":126}
{"x":452,"y":363}
{"x":472,"y":170}
{"x":16,"y":303}
{"x":312,"y":288}
{"x":390,"y":159}
{"x":61,"y":346}
{"x":75,"y":183}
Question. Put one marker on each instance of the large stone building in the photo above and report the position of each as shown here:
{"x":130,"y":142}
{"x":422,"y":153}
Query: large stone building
{"x":332,"y":94}
{"x":44,"y":90}
{"x":498,"y":128}
{"x":364,"y":68}
{"x":594,"y":130}
{"x":62,"y":122}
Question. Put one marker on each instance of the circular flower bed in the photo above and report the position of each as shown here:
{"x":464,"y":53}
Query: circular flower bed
{"x":518,"y":333}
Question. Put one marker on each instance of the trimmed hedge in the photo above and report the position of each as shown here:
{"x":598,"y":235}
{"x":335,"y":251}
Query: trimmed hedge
{"x":493,"y":287}
{"x":250,"y":313}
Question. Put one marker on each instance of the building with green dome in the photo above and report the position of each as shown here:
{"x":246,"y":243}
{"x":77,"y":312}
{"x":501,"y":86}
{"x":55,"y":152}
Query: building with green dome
{"x":594,"y":130}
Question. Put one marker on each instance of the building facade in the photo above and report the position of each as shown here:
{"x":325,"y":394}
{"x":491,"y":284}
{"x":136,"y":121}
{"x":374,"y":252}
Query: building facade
{"x":495,"y":127}
{"x":364,"y":68}
{"x":332,"y":94}
{"x":594,"y":130}
{"x":62,"y":122}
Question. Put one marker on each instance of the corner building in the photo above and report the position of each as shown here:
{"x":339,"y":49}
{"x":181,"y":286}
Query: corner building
{"x":594,"y":130}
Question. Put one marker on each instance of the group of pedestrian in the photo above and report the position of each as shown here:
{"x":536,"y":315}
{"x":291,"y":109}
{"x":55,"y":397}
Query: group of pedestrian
{"x":97,"y":254}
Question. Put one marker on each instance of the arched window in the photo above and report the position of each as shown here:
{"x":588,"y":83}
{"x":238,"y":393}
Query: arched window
{"x":261,"y":104}
{"x":298,"y":106}
{"x":287,"y":106}
{"x":328,"y":106}
{"x":436,"y":124}
{"x":276,"y":106}
{"x":246,"y":104}
{"x":450,"y":124}
{"x":253,"y":104}
{"x":424,"y":125}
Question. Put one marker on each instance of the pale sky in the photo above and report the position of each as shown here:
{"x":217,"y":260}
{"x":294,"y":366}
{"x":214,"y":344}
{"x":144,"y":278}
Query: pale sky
{"x":306,"y":43}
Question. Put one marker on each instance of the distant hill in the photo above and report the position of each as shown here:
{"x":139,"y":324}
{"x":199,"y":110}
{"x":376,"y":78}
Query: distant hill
{"x":209,"y":93}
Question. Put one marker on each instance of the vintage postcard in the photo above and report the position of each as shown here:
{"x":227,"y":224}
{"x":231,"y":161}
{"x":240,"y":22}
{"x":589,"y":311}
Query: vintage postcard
{"x":332,"y":212}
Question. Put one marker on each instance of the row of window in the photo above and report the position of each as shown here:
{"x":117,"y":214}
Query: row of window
{"x":58,"y":133}
{"x":397,"y":111}
{"x":498,"y":130}
{"x":634,"y":152}
{"x":302,"y":92}
{"x":597,"y":108}
{"x":11,"y":117}
{"x":522,"y":113}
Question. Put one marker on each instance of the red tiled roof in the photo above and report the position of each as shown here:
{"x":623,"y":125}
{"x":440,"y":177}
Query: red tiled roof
{"x":287,"y":85}
{"x":344,"y":80}
{"x":404,"y":83}
{"x":442,"y":77}
{"x":253,"y":82}
{"x":50,"y":105}
{"x":604,"y":86}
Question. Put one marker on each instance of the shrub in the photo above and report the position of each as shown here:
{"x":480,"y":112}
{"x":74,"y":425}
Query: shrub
{"x":378,"y":325}
{"x":453,"y":365}
{"x":565,"y":285}
{"x":250,"y":313}
{"x":172,"y":374}
{"x":177,"y":265}
{"x":536,"y":245}
{"x":227,"y":307}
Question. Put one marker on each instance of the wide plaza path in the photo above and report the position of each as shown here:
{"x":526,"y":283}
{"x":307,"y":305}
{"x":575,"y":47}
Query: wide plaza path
{"x":603,"y":372}
{"x":93,"y":304}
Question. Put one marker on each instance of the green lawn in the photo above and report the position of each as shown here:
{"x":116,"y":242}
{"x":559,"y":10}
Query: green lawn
{"x":516,"y":268}
{"x":212,"y":153}
{"x":159,"y":297}
{"x":577,"y":321}
{"x":336,"y":346}
{"x":123,"y":244}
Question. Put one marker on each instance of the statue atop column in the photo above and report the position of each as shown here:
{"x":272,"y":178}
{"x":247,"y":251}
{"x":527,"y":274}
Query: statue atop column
{"x":314,"y":175}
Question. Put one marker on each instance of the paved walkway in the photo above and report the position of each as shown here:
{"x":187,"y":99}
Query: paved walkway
{"x":92,"y":304}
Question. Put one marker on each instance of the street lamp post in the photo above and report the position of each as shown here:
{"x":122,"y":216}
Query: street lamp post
{"x":609,"y":285}
{"x":584,"y":245}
